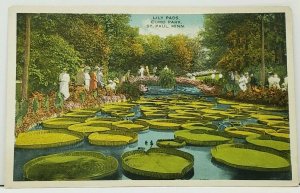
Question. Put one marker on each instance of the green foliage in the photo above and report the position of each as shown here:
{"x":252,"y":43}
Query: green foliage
{"x":46,"y":103}
{"x":82,"y":96}
{"x":130,"y":90}
{"x":35,"y":105}
{"x":21,"y":110}
{"x":167,"y":79}
{"x":59,"y":101}
{"x":234,"y":40}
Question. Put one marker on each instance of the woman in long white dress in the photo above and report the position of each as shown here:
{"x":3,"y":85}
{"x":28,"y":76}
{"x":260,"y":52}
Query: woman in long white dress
{"x":87,"y":78}
{"x":64,"y":79}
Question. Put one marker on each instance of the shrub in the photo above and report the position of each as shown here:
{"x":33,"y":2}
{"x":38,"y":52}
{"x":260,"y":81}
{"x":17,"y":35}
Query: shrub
{"x":167,"y":79}
{"x":130,"y":90}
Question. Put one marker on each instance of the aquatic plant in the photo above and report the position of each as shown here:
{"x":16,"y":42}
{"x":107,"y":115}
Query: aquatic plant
{"x":200,"y":137}
{"x":46,"y":139}
{"x":75,"y":165}
{"x":112,"y":138}
{"x":158,"y":163}
{"x":167,"y":79}
{"x":249,"y":157}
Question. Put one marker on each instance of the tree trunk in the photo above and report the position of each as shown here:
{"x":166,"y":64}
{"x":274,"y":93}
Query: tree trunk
{"x":26,"y":58}
{"x":263,"y":66}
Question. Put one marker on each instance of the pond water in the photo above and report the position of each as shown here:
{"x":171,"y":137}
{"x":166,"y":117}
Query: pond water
{"x":204,"y":167}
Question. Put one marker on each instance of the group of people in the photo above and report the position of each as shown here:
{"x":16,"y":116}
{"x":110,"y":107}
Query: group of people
{"x":144,"y":71}
{"x":90,"y":80}
{"x":244,"y":81}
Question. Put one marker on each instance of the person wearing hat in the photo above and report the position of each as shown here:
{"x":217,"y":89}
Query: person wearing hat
{"x":64,"y":79}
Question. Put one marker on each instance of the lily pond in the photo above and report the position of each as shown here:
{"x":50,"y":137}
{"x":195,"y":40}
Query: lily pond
{"x":167,"y":134}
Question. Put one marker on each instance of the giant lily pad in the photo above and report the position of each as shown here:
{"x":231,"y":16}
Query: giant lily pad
{"x":158,"y":163}
{"x":199,"y":137}
{"x":191,"y":126}
{"x":59,"y":123}
{"x":163,"y":124}
{"x":77,"y":165}
{"x":239,"y":132}
{"x":249,"y":158}
{"x":130,"y":127}
{"x":88,"y":127}
{"x":112,"y":138}
{"x":170,"y":143}
{"x":264,"y":141}
{"x":46,"y":139}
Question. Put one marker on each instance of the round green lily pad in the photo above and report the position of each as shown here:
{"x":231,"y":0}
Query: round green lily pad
{"x":112,"y":138}
{"x":181,"y":116}
{"x":199,"y":137}
{"x":279,"y":136}
{"x":239,"y":132}
{"x":248,"y":158}
{"x":130,"y":127}
{"x":163,"y":124}
{"x":264,"y":141}
{"x":158,"y":163}
{"x":88,"y":128}
{"x":46,"y":139}
{"x":191,"y":126}
{"x":59,"y":123}
{"x":170,"y":143}
{"x":76,"y":165}
{"x":261,"y":129}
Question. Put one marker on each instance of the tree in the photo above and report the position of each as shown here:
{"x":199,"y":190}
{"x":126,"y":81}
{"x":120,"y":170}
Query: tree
{"x":26,"y":57}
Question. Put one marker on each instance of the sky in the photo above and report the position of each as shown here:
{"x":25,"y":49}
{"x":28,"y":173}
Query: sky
{"x":167,"y":24}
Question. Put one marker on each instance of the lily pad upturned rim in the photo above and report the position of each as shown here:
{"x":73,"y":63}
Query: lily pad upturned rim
{"x":219,"y":148}
{"x":109,"y":160}
{"x":79,"y":136}
{"x":154,"y":174}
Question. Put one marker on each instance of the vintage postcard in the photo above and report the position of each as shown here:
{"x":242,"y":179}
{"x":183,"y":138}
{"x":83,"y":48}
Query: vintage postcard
{"x":114,"y":96}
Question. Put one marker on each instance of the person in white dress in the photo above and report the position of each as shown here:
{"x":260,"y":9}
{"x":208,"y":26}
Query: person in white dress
{"x":276,"y":82}
{"x":243,"y":83}
{"x":271,"y":80}
{"x":220,"y":75}
{"x":142,"y":71}
{"x":64,"y":79}
{"x":285,"y":84}
{"x":213,"y":76}
{"x":87,"y":78}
